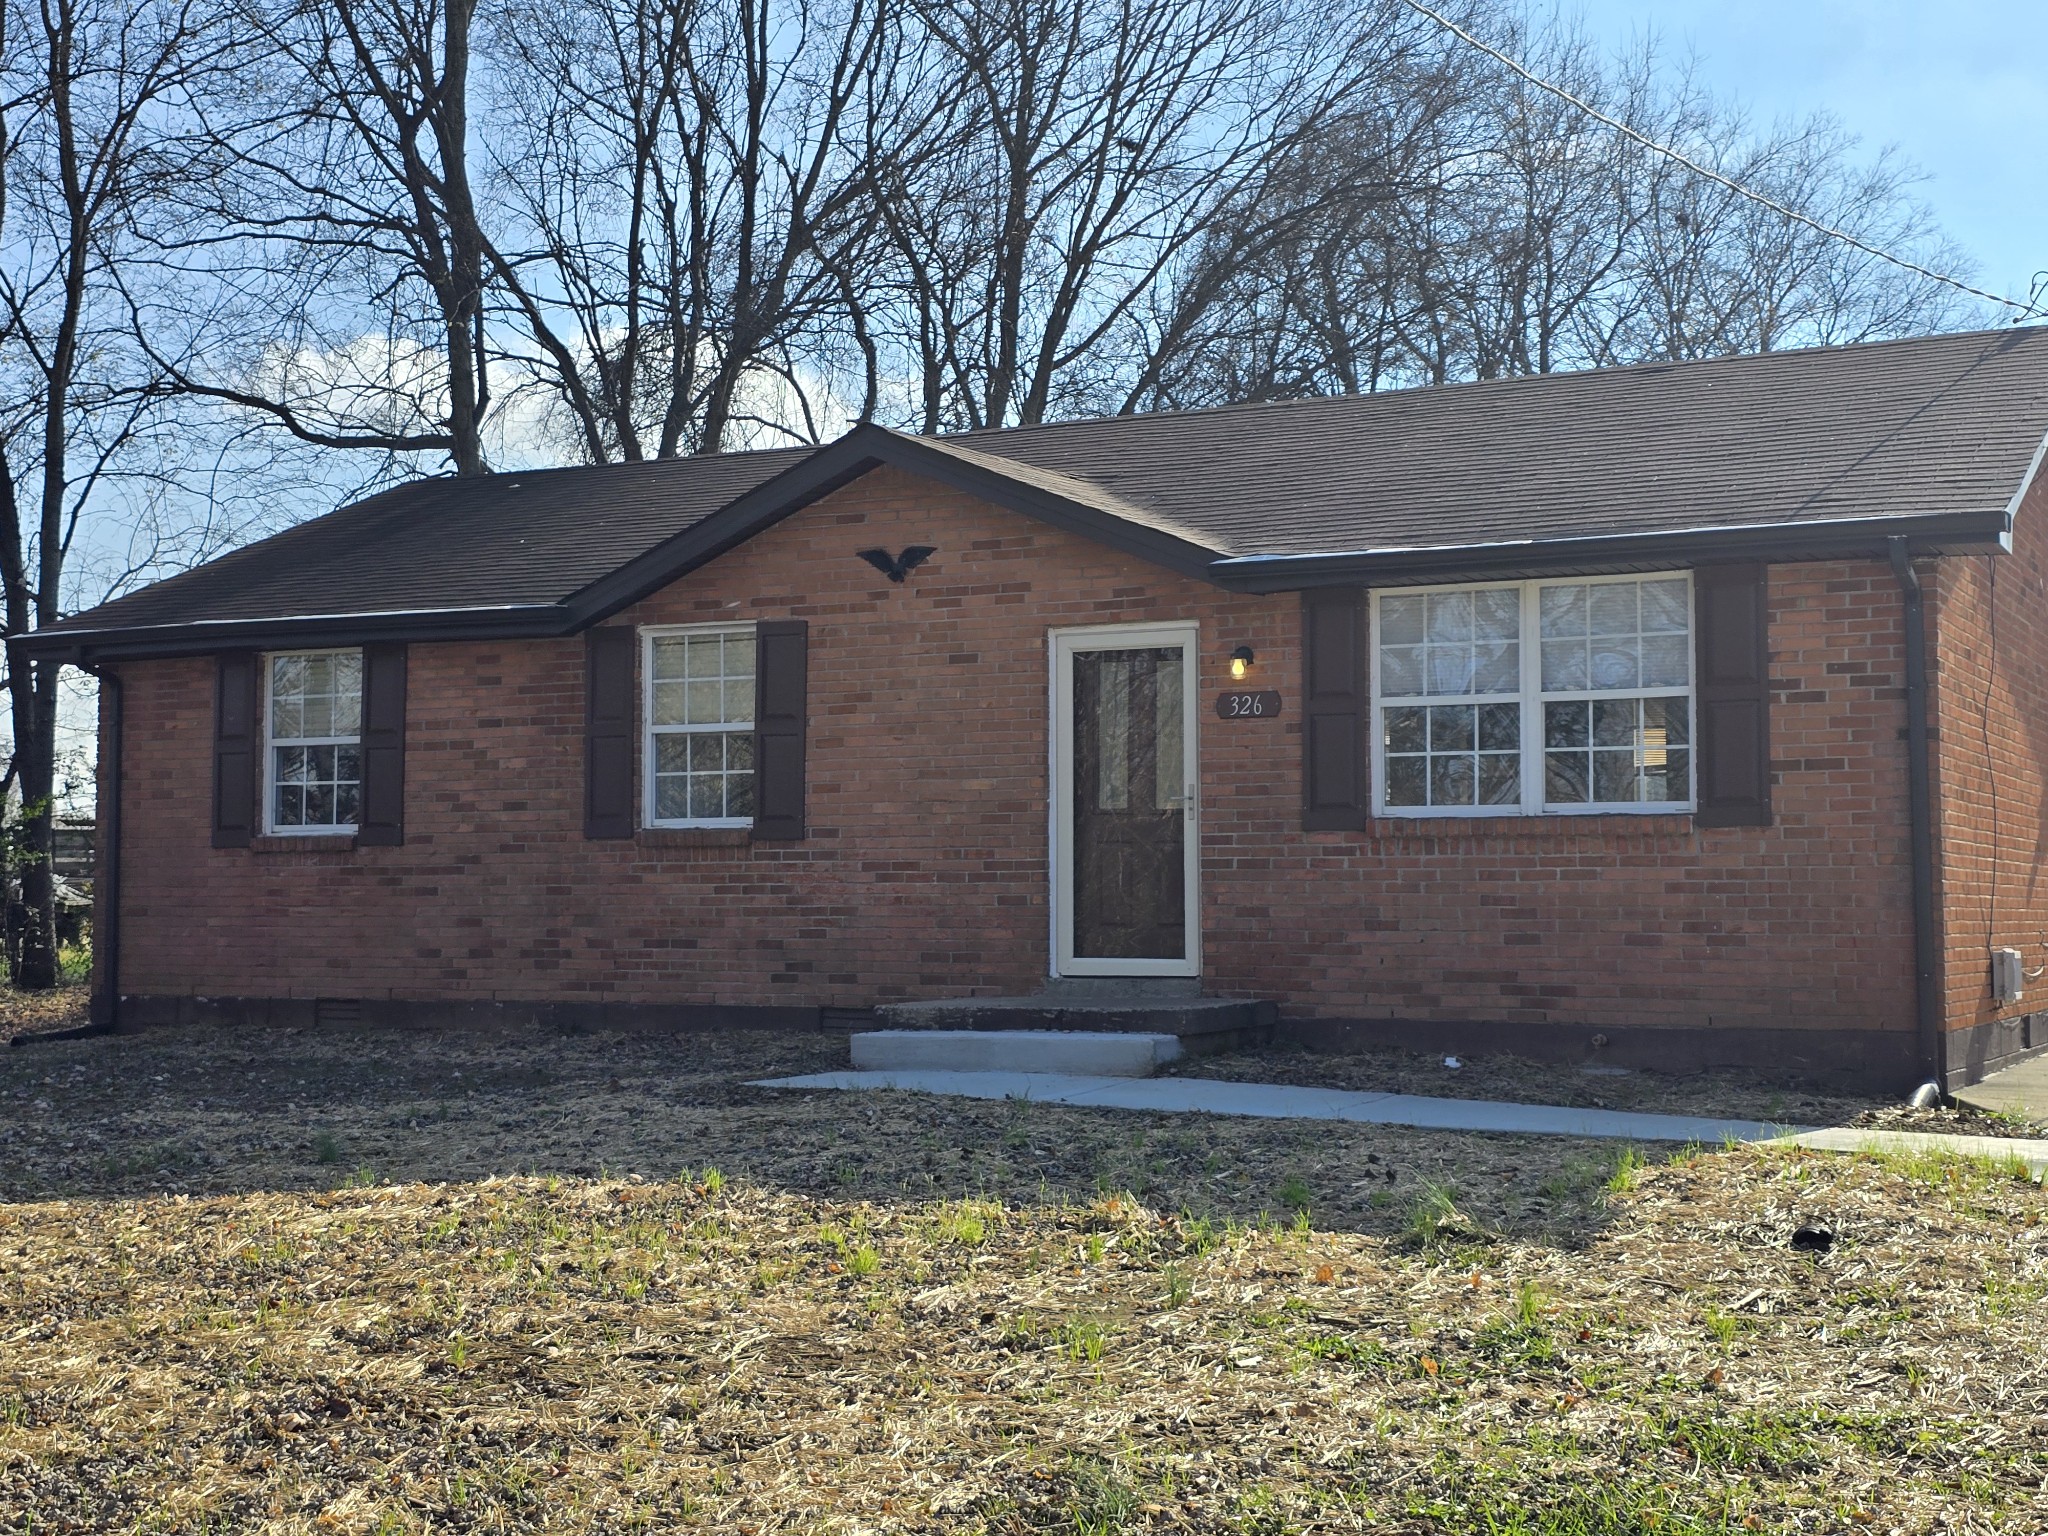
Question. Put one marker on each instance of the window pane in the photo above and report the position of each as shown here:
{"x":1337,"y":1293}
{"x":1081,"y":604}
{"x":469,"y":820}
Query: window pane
{"x":1500,"y":727}
{"x":1614,"y":722}
{"x":1401,"y":620}
{"x":1496,"y":668}
{"x":703,"y":702}
{"x":1671,"y":782}
{"x":1564,"y":778}
{"x":1450,"y":669}
{"x":668,"y":704}
{"x":1563,"y":611}
{"x":1664,"y":607}
{"x":707,"y":796}
{"x":739,"y":701}
{"x":1405,"y":781}
{"x":739,"y":790}
{"x":1450,"y":780}
{"x":1400,"y":670}
{"x":1564,"y":725}
{"x":1500,"y":778}
{"x":1665,"y":661}
{"x":739,"y":750}
{"x":1450,"y":728}
{"x":1497,"y":615}
{"x":671,"y":753}
{"x":291,"y":806}
{"x":347,"y":800}
{"x":1564,"y":665}
{"x":1614,"y":663}
{"x":739,"y":656}
{"x":1406,"y":730}
{"x":1614,"y":776}
{"x":1450,"y":616}
{"x":1672,"y":716}
{"x":668,"y":657}
{"x":671,"y":797}
{"x":1611,"y":608}
{"x":348,"y":695}
{"x":707,"y":752}
{"x":700,"y":656}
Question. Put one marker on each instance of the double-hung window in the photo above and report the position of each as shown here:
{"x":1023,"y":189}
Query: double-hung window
{"x":700,"y":726}
{"x":1527,"y":697}
{"x":313,"y":725}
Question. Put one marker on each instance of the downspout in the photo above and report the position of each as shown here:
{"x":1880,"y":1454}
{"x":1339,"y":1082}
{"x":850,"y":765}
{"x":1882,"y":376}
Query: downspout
{"x":1920,"y":813}
{"x":106,"y":937}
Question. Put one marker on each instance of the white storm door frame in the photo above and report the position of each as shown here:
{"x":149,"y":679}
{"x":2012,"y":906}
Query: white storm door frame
{"x":1064,"y":644}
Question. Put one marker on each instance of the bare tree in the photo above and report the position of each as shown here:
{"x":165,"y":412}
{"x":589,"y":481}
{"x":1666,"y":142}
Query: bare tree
{"x":1089,"y":147}
{"x":688,"y":191}
{"x":338,"y":239}
{"x":86,"y":87}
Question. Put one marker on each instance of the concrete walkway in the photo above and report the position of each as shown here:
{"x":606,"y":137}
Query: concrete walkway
{"x":1273,"y":1101}
{"x":1848,"y":1138}
{"x":2019,"y":1090}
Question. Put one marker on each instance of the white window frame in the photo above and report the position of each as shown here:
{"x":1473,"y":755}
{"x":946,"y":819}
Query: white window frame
{"x":271,"y":828}
{"x":649,"y":731}
{"x":1531,"y":698}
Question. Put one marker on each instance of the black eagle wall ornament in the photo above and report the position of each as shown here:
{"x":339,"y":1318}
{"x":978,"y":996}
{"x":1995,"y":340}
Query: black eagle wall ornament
{"x":896,"y":567}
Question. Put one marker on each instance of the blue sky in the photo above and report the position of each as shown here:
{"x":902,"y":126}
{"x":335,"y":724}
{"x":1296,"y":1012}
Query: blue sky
{"x":1959,"y":86}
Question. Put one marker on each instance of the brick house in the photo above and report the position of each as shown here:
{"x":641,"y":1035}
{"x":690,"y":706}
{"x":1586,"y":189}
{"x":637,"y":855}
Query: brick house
{"x":1680,"y":714}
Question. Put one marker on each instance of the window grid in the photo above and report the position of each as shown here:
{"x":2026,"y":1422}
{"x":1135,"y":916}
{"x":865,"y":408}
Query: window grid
{"x":1521,"y":747}
{"x":313,"y":719}
{"x":700,"y":726}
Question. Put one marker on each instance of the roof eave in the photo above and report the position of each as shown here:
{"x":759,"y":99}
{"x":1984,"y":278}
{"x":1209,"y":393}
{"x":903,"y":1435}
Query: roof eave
{"x":83,"y":647}
{"x":1948,"y":533}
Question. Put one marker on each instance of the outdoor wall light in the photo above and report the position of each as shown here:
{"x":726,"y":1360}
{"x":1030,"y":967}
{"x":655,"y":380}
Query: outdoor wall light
{"x":1240,"y":663}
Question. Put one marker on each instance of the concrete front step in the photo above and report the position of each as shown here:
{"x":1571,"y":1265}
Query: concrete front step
{"x":1202,"y":1024}
{"x":1094,"y":1053}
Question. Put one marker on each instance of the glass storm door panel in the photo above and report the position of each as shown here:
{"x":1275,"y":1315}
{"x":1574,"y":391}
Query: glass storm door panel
{"x":1127,"y":835}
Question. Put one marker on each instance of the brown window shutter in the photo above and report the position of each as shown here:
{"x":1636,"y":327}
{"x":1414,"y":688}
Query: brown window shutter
{"x":382,"y":822}
{"x":781,"y":714}
{"x":1732,"y":736}
{"x":610,"y":732}
{"x":236,"y":749}
{"x":1333,"y":756}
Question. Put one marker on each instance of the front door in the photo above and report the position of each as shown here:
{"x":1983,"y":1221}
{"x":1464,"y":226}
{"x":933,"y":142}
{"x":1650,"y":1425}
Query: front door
{"x":1126,"y":861}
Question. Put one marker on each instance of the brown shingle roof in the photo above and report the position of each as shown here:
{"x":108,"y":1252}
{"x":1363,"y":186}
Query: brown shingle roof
{"x":1933,"y":427}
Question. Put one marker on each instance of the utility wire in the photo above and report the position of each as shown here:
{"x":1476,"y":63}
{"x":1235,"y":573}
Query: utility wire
{"x":2021,"y":311}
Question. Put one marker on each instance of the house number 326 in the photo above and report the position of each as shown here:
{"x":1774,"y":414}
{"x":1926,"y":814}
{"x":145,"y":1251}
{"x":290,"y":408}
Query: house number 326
{"x":1264,"y":705}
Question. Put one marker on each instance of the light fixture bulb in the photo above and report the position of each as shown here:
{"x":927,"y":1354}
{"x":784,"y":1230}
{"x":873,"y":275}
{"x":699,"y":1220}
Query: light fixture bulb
{"x":1240,"y":663}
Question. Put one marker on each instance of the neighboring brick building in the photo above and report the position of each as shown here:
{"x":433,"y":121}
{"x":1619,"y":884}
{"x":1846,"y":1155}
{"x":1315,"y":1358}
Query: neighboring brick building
{"x":1575,"y":716}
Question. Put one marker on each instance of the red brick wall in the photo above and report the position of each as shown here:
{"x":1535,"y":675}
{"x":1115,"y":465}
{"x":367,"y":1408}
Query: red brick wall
{"x":1988,"y":619}
{"x":925,"y":869}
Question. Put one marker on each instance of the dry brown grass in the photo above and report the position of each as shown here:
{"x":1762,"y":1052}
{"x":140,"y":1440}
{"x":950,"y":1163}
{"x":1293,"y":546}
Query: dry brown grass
{"x":906,"y":1314}
{"x":609,"y":1355}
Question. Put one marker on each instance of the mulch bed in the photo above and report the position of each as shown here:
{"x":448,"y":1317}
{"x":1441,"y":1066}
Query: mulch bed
{"x":379,"y":1282}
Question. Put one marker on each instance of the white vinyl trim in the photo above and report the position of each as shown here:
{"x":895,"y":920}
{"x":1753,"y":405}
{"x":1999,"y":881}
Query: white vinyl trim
{"x":650,"y":733}
{"x":1062,"y":644}
{"x":1531,"y":697}
{"x":266,"y":701}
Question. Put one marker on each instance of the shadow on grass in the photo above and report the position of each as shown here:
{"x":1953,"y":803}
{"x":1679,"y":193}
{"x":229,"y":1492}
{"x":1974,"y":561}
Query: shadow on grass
{"x":211,"y":1110}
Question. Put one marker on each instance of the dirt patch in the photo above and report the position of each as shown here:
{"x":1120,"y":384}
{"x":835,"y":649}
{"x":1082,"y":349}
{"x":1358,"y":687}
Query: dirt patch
{"x":1722,"y":1094}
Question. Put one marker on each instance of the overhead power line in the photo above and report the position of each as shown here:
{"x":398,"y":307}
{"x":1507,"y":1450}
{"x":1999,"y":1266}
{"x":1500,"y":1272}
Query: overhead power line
{"x":2021,"y":311}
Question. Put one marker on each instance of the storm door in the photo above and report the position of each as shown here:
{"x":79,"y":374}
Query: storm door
{"x":1126,"y":859}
